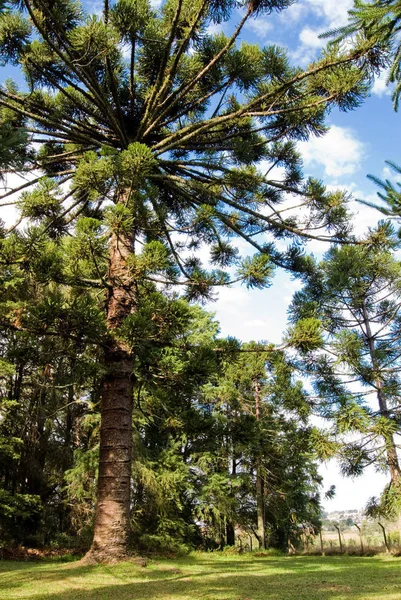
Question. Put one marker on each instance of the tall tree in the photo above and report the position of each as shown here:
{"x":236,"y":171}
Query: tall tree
{"x":267,"y":412}
{"x":356,"y":293}
{"x":145,"y":132}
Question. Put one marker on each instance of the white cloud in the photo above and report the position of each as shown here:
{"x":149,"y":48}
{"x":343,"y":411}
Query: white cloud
{"x":339,"y":152}
{"x":156,"y":3}
{"x":387,"y":173}
{"x":380,"y":87}
{"x":333,"y":12}
{"x":292,"y":14}
{"x":255,"y":323}
{"x":309,"y":47}
{"x":350,"y":493}
{"x":276,"y":173}
{"x":304,"y":55}
{"x":8,"y":215}
{"x":260,"y":26}
{"x":310,"y":37}
{"x":215,"y":28}
{"x":125,"y":50}
{"x":364,"y":216}
{"x":330,"y":14}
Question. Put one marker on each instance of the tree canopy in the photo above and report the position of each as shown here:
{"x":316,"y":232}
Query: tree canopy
{"x":139,"y":136}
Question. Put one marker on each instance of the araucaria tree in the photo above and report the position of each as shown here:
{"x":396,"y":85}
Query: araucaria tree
{"x":145,"y":131}
{"x":356,"y":294}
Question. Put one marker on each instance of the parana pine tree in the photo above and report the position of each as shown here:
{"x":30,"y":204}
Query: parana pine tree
{"x":145,"y":131}
{"x":356,"y":294}
{"x":265,"y":410}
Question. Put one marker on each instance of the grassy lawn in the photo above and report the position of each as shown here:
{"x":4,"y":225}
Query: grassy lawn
{"x":207,"y":577}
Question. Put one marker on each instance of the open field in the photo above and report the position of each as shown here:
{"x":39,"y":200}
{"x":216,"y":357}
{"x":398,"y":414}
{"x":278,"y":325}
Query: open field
{"x":207,"y":577}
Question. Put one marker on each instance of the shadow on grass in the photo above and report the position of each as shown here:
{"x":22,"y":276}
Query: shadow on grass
{"x":300,"y":578}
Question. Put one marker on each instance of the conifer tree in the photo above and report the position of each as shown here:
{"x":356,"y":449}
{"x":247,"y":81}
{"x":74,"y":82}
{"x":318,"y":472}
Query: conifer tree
{"x":380,"y":22}
{"x":267,"y":411}
{"x":356,"y":293}
{"x":145,"y":131}
{"x":389,"y":195}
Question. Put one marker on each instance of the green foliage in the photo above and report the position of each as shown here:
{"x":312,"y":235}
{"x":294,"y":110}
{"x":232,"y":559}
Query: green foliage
{"x":323,"y":444}
{"x":138,"y":132}
{"x":378,"y":24}
{"x":130,"y":17}
{"x":162,"y":544}
{"x":136,"y":163}
{"x":14,"y":35}
{"x":119,"y":219}
{"x":305,"y":335}
{"x":256,"y":271}
{"x":355,"y":295}
{"x":389,"y":194}
{"x":17,"y":512}
{"x":353,"y":418}
{"x":93,"y":174}
{"x":150,"y":132}
{"x":40,"y":203}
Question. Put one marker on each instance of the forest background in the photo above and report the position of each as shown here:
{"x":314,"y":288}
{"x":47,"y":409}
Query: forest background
{"x":341,"y":155}
{"x":357,"y":143}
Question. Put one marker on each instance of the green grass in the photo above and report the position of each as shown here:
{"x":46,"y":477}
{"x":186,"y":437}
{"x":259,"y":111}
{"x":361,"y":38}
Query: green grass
{"x":208,"y":577}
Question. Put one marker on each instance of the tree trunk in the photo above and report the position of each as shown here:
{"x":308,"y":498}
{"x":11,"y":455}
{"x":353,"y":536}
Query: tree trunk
{"x":259,"y":479}
{"x":386,"y":544}
{"x":391,"y":448}
{"x":230,"y":534}
{"x":339,"y":538}
{"x":112,"y":519}
{"x":360,"y":538}
{"x":230,"y":527}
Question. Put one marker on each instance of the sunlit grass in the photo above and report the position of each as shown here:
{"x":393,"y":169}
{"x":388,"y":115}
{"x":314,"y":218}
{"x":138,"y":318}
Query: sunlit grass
{"x":207,"y":577}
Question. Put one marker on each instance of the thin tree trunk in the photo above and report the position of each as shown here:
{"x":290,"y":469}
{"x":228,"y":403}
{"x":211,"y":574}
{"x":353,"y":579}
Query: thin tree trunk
{"x":259,"y":479}
{"x":339,"y":538}
{"x":391,"y":449}
{"x":386,"y":544}
{"x":230,"y":527}
{"x":112,"y":519}
{"x":230,"y":534}
{"x":360,"y":538}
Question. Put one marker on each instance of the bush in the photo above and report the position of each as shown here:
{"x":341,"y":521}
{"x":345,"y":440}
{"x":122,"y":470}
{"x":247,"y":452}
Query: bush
{"x":269,"y":552}
{"x":157,"y":544}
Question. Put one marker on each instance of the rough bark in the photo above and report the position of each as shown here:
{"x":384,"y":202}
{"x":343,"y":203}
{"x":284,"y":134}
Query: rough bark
{"x":112,"y":519}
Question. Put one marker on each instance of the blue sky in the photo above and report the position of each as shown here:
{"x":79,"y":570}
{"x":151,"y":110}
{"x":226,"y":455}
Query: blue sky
{"x":358,"y":143}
